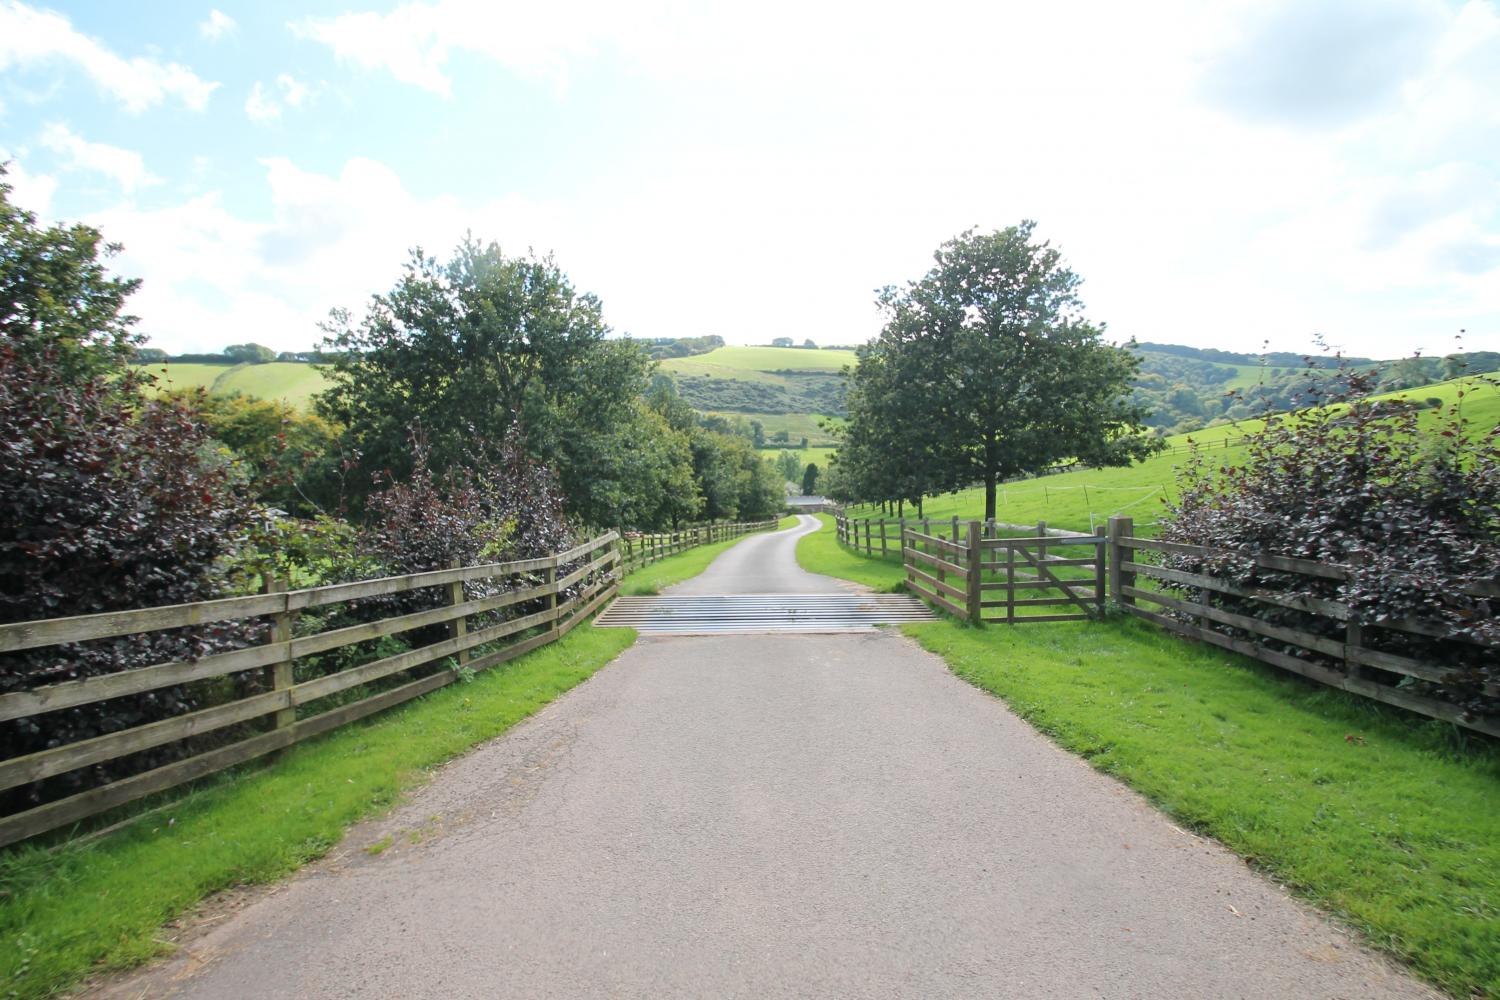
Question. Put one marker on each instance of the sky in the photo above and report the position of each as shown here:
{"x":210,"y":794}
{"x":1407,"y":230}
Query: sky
{"x":1225,"y":175}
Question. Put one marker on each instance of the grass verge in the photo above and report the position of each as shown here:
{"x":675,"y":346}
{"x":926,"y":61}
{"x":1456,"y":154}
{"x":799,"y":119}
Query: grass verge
{"x":98,"y":905}
{"x":1375,"y":816}
{"x":820,"y":552}
{"x":651,"y":580}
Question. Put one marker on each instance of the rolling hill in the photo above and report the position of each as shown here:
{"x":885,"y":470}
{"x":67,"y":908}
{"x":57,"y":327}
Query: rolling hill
{"x":291,"y":381}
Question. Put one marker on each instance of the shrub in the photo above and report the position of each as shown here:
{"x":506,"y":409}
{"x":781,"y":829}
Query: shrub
{"x":276,"y":443}
{"x":495,"y":506}
{"x":106,"y":503}
{"x":1408,"y":499}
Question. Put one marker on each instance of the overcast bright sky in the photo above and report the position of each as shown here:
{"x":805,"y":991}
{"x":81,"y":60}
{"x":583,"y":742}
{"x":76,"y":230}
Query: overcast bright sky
{"x":1219,"y":174}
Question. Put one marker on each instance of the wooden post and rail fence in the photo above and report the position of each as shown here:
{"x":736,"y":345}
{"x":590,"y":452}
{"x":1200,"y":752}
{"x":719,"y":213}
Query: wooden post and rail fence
{"x":639,"y":549}
{"x":969,"y":570}
{"x":526,"y":604}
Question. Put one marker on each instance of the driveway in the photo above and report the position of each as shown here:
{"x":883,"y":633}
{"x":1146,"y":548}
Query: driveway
{"x":774,"y":816}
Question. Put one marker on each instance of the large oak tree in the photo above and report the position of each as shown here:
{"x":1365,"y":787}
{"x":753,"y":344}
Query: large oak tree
{"x":987,"y":369}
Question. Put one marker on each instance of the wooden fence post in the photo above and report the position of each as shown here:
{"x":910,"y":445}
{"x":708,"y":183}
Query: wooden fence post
{"x":1353,"y":636}
{"x":1010,"y":585}
{"x":1099,"y":581}
{"x":280,"y":672}
{"x":549,"y":576}
{"x":1119,"y":579}
{"x":954,"y":537}
{"x":975,"y":577}
{"x":460,"y":625}
{"x":882,"y":538}
{"x":1041,"y":549}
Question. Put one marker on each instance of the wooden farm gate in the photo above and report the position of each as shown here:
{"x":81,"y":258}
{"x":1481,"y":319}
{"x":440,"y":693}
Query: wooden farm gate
{"x":989,"y":578}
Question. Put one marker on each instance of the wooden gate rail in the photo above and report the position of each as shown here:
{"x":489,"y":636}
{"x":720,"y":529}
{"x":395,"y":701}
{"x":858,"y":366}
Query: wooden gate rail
{"x":571,"y":584}
{"x":1339,"y":662}
{"x":882,"y":535}
{"x":931,"y":583}
{"x":931,"y":560}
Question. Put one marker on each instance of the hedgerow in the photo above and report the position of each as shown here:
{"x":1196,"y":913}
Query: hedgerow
{"x":1405,"y":497}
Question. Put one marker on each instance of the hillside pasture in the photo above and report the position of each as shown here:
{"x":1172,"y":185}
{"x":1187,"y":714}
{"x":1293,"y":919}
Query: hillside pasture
{"x":292,"y":381}
{"x":796,"y":425}
{"x":736,"y":362}
{"x":1084,"y":499}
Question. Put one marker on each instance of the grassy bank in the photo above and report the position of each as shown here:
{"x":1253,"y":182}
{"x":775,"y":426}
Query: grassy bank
{"x":821,"y":553}
{"x":98,"y":905}
{"x":1373,"y":815}
{"x":657,"y":577}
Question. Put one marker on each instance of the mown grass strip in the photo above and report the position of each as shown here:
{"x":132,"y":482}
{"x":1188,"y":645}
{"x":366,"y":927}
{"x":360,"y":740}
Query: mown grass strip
{"x":99,"y":905}
{"x":653,"y":579}
{"x":820,"y":552}
{"x":1388,"y":821}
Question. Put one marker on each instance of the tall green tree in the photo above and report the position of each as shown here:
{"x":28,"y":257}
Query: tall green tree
{"x":57,"y":295}
{"x":788,"y":465}
{"x":891,"y":449}
{"x":990,"y":355}
{"x":468,"y":348}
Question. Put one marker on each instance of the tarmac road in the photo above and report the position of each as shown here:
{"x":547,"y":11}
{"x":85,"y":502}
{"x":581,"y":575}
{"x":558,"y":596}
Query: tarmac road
{"x":773,"y":816}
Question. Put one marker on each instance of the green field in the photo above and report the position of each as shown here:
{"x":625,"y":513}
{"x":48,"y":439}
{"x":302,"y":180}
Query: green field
{"x":1083,"y":500}
{"x":760,"y":365}
{"x":290,"y":381}
{"x":818,"y":456}
{"x":738,"y":362}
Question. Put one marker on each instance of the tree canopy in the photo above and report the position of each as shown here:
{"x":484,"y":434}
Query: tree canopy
{"x":986,"y":369}
{"x":57,"y":295}
{"x":469,"y":348}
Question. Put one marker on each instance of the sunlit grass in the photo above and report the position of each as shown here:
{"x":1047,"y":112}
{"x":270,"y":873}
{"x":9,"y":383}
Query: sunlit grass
{"x":294,"y":382}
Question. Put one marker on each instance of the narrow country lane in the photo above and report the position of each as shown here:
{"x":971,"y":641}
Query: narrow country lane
{"x":774,"y":815}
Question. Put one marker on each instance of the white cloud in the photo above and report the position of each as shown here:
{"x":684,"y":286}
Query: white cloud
{"x":293,"y":91}
{"x":125,"y":167}
{"x":260,"y":106}
{"x":32,"y":192}
{"x":783,"y":174}
{"x":217,"y":25}
{"x":30,"y":37}
{"x":263,"y":105}
{"x":213,"y":277}
{"x":414,"y":41}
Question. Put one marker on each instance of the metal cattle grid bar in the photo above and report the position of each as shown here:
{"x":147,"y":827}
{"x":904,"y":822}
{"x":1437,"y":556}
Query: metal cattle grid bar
{"x":721,"y":613}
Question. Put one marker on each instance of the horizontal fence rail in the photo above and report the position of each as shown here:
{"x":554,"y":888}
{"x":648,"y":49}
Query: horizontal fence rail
{"x":977,"y":574}
{"x":559,"y":591}
{"x":251,"y":701}
{"x":969,"y":570}
{"x":1331,"y":646}
{"x":644,"y":548}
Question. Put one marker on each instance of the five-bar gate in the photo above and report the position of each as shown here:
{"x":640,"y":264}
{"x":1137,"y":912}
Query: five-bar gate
{"x":985,"y":577}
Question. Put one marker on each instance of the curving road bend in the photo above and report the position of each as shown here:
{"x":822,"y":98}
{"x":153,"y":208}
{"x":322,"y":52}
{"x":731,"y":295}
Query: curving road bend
{"x":773,"y":816}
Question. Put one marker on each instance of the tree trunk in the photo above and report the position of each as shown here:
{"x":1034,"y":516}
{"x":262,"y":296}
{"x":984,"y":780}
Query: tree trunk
{"x":989,"y":494}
